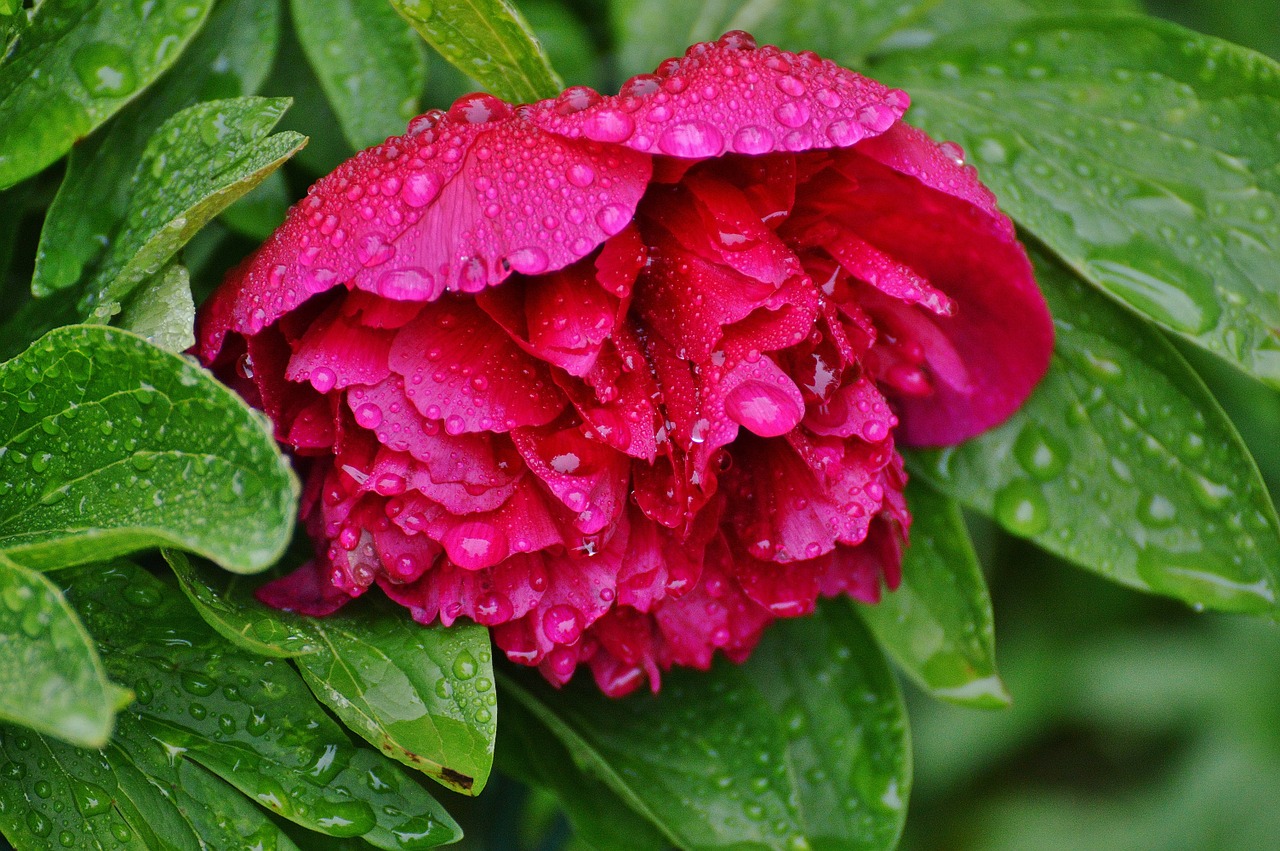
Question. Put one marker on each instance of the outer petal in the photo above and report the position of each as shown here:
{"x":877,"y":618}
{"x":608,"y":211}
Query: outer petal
{"x":729,"y":96}
{"x":1001,"y":328}
{"x":458,"y":203}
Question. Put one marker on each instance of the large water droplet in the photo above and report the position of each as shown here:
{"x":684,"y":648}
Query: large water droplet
{"x":763,"y":408}
{"x":608,"y":125}
{"x":1042,"y":455}
{"x":691,"y":140}
{"x":1021,"y":508}
{"x":105,"y":70}
{"x":1178,"y":295}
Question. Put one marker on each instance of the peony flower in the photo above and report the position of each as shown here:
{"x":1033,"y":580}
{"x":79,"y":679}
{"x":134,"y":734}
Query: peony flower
{"x":622,"y":377}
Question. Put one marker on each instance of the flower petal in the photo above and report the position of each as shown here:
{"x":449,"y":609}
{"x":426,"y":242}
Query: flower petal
{"x":450,"y":206}
{"x":730,"y":97}
{"x":1001,"y":330}
{"x":461,"y":368}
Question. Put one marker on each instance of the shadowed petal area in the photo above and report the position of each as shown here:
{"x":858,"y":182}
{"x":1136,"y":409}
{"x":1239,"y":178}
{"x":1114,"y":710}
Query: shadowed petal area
{"x":977,"y":365}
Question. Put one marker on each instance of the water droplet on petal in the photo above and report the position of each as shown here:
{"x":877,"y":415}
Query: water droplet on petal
{"x":763,"y":408}
{"x":479,"y":108}
{"x":420,"y":189}
{"x":562,"y":624}
{"x":608,"y":125}
{"x":369,"y":415}
{"x":323,"y":379}
{"x":752,"y":140}
{"x":581,"y":175}
{"x":691,"y":140}
{"x":612,"y":219}
{"x":877,"y":117}
{"x":528,"y":261}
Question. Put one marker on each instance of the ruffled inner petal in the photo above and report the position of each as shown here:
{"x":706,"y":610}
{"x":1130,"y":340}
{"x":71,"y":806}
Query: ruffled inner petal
{"x":461,"y":368}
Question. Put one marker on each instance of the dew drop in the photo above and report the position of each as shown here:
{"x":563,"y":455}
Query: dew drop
{"x":1021,"y":508}
{"x":105,"y":70}
{"x":608,"y":125}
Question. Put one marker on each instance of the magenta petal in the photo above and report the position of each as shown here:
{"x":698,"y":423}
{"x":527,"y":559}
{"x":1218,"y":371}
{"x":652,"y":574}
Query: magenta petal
{"x":463,"y":369}
{"x":337,"y":351}
{"x":714,"y":615}
{"x":786,"y":590}
{"x":730,"y":97}
{"x":306,"y":591}
{"x":417,"y":216}
{"x":588,"y":477}
{"x":481,"y":459}
{"x":1001,"y":329}
{"x":939,"y":166}
{"x":856,"y":410}
{"x":762,"y":398}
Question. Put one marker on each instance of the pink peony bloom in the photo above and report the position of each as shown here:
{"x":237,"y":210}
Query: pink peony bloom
{"x":621,"y":377}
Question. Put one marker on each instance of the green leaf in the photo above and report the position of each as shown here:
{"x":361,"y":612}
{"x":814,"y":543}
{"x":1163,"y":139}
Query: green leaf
{"x":528,"y":751}
{"x":51,"y":679}
{"x":111,"y":445}
{"x":943,"y":18}
{"x":487,"y":40}
{"x":370,"y":62}
{"x":162,"y":312}
{"x":230,"y":57}
{"x":937,"y":625}
{"x":424,"y":696}
{"x":1143,"y":154}
{"x":129,"y":795}
{"x":1123,"y":463}
{"x":76,"y":65}
{"x":650,"y":31}
{"x":196,"y":165}
{"x":804,"y":746}
{"x":250,"y":721}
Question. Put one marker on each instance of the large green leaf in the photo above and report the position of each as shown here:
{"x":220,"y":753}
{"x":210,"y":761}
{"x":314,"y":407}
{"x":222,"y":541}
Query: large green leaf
{"x":651,"y":30}
{"x":1142,"y":153}
{"x":489,"y":41}
{"x":1123,"y":463}
{"x":229,"y":58}
{"x":76,"y":65}
{"x":197,"y":164}
{"x":423,"y":696}
{"x":937,"y":625}
{"x":371,"y":63}
{"x":129,"y":795}
{"x":110,"y":445}
{"x":804,"y":746}
{"x":51,"y":679}
{"x":249,"y":720}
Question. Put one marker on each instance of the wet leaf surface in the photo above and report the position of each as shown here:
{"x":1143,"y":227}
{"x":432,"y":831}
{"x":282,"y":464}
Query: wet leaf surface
{"x":76,"y":65}
{"x":803,"y":746}
{"x":1123,"y":463}
{"x":938,"y":624}
{"x":111,"y":445}
{"x":423,"y":695}
{"x":51,"y":678}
